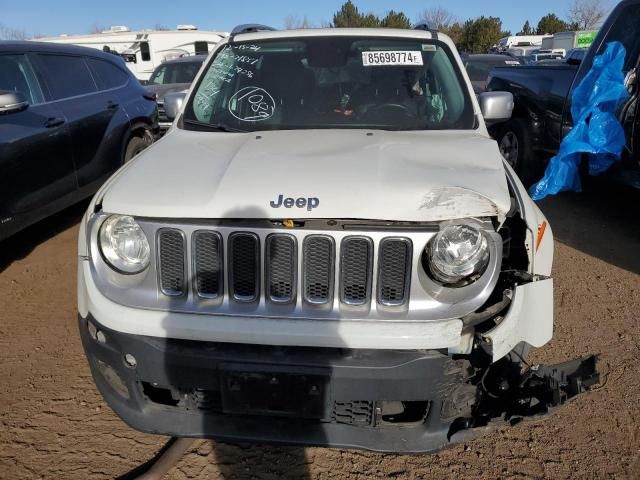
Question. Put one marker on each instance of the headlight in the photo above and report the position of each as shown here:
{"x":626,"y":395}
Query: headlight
{"x":457,"y":252}
{"x":124,"y":245}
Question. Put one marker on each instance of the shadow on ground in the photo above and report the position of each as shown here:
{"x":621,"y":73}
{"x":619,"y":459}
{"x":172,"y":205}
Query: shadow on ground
{"x":24,"y":242}
{"x":602,"y":222}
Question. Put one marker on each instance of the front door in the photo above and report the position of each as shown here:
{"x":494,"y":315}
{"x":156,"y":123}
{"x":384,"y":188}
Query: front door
{"x":36,"y":164}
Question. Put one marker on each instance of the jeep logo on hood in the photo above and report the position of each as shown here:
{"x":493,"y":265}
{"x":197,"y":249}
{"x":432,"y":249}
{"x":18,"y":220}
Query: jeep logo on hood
{"x":301,"y":202}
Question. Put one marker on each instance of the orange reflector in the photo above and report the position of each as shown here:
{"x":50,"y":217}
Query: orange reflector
{"x":541,"y":230}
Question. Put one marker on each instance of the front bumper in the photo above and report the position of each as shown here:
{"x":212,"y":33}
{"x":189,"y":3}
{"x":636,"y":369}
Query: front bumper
{"x":400,"y":401}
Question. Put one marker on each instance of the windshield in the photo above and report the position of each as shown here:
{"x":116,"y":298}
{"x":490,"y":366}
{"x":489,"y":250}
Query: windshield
{"x":331,"y":82}
{"x":179,"y":72}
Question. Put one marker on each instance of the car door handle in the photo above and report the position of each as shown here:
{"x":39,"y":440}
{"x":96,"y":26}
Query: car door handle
{"x":53,"y":122}
{"x":111,"y":105}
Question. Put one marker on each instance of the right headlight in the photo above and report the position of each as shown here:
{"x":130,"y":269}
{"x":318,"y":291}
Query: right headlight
{"x":457,"y":253}
{"x":124,"y":245}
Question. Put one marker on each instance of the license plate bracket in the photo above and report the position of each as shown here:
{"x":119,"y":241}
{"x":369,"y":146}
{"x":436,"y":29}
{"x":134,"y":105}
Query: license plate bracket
{"x":274,"y":391}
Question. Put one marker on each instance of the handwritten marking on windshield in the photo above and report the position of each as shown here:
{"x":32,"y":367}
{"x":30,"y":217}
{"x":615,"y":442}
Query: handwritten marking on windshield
{"x":252,"y":104}
{"x":247,"y":46}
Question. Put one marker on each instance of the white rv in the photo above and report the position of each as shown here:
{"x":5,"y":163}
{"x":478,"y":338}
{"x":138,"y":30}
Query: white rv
{"x":519,"y":41}
{"x":145,"y":50}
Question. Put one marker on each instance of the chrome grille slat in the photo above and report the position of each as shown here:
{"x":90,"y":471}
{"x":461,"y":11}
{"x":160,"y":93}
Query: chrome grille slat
{"x":171,"y":261}
{"x":244,"y":266}
{"x":281,"y":262}
{"x":318,"y":269}
{"x":207,"y":263}
{"x":356,"y":262}
{"x":394,"y":271}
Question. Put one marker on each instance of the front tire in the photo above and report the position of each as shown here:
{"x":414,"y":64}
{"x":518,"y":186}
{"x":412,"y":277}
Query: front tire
{"x":514,"y":142}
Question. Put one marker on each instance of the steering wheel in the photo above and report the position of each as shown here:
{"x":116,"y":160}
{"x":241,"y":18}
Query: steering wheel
{"x":393,"y":106}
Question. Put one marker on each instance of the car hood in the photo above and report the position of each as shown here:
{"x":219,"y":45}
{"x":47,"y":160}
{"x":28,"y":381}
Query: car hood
{"x":351,"y":174}
{"x":162,"y":90}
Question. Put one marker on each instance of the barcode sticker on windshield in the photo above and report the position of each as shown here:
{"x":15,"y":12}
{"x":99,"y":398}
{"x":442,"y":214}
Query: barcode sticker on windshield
{"x":373,"y":59}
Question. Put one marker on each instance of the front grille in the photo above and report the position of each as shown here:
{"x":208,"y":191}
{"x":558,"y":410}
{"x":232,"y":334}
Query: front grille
{"x":280,"y":267}
{"x":171,"y":249}
{"x":235,"y":264}
{"x":207,"y":263}
{"x":355,"y":270}
{"x":244,"y":266}
{"x":394,"y":271}
{"x":318,"y":261}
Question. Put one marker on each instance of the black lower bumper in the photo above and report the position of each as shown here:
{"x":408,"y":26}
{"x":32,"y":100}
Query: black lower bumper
{"x":390,"y":401}
{"x":377,"y":400}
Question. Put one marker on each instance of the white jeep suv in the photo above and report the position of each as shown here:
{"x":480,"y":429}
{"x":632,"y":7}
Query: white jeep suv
{"x":326,"y":249}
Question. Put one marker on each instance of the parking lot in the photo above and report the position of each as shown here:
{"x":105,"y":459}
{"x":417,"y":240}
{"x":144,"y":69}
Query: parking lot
{"x":56,"y":425}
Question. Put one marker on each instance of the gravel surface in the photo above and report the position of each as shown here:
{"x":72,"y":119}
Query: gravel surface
{"x":54,"y":424}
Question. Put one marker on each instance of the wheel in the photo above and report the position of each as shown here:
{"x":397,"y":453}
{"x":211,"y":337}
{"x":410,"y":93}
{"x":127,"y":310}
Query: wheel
{"x":136,"y":145}
{"x":515,"y":146}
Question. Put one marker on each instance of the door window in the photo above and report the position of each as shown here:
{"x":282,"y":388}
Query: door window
{"x":67,"y":76}
{"x":106,"y":74}
{"x":17,"y":75}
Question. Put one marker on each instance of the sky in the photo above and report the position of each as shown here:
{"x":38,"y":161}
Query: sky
{"x":39,"y":17}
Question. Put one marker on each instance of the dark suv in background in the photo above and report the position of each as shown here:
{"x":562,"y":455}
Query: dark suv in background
{"x":69,"y":117}
{"x":543,"y":96}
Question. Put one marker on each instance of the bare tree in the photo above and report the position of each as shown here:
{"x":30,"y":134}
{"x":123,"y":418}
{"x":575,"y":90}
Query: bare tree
{"x":587,"y":14}
{"x":437,"y":17}
{"x":7,"y":33}
{"x":293,"y":22}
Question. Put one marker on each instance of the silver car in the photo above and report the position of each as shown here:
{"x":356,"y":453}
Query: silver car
{"x":173,"y":76}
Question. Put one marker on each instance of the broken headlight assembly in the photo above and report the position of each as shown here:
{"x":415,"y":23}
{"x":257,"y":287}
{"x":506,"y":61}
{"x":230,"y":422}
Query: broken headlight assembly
{"x":123,"y":245}
{"x":458,"y":254}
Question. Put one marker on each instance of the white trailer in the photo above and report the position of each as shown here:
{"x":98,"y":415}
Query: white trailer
{"x":145,"y":50}
{"x":519,"y":41}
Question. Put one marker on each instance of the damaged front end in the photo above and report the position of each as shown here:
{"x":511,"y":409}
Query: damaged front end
{"x":500,"y":384}
{"x":399,"y":352}
{"x":511,"y":390}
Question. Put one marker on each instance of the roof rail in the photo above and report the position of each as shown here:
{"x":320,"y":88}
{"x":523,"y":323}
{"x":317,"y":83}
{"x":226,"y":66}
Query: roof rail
{"x":251,"y":28}
{"x":425,"y":26}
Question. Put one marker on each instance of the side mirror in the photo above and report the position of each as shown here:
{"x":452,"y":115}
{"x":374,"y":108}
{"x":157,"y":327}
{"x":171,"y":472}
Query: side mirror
{"x":173,"y":104}
{"x":574,"y":61}
{"x":11,"y":102}
{"x":496,"y":106}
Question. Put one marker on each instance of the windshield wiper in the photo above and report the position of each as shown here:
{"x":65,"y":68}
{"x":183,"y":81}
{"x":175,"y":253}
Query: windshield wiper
{"x":212,"y":127}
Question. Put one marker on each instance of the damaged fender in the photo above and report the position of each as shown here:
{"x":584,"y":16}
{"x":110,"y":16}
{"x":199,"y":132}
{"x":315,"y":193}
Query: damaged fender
{"x":529,"y":319}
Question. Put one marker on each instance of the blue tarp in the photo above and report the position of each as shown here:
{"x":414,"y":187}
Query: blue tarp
{"x":596,"y":132}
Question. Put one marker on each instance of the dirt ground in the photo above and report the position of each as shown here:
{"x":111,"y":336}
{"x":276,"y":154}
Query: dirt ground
{"x":56,"y":425}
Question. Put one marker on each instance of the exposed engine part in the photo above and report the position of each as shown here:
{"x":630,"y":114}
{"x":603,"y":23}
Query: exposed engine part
{"x":506,"y":392}
{"x":476,"y":318}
